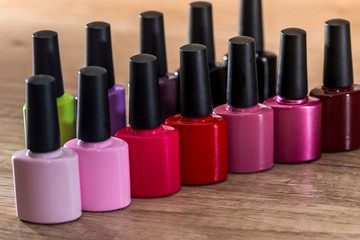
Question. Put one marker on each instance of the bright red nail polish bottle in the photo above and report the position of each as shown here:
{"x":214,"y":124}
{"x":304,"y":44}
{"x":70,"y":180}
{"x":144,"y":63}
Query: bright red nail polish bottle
{"x":153,"y":147}
{"x":340,"y":97}
{"x":203,"y":135}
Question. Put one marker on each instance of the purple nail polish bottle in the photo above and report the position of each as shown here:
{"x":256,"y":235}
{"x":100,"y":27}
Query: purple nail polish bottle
{"x":99,"y":53}
{"x":152,"y":41}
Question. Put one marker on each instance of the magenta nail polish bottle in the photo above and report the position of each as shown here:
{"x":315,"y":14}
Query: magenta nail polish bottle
{"x":250,"y":125}
{"x":46,"y":176}
{"x":153,"y":147}
{"x":297,"y":117}
{"x":152,"y":41}
{"x":99,"y":53}
{"x":103,"y":160}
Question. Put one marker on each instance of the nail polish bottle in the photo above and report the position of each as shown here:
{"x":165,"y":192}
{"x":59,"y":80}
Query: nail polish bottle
{"x":203,"y":135}
{"x":46,"y":176}
{"x":152,"y":41}
{"x":297,"y":117}
{"x":46,"y":60}
{"x":99,"y":53}
{"x":103,"y":160}
{"x":153,"y":147}
{"x":250,"y":124}
{"x":201,"y":32}
{"x":339,"y":96}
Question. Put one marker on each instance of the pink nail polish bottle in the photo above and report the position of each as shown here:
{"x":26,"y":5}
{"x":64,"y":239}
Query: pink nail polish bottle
{"x":153,"y":147}
{"x":297,"y":117}
{"x":46,"y":176}
{"x":103,"y":160}
{"x":250,"y":124}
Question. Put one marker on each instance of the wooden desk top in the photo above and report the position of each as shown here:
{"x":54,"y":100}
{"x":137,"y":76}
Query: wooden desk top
{"x":318,"y":200}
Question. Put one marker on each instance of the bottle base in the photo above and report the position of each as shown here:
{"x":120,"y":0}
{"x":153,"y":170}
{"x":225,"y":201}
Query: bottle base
{"x":50,"y":223}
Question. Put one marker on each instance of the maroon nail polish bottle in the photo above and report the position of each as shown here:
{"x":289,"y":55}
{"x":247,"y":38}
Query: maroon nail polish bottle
{"x":340,"y":97}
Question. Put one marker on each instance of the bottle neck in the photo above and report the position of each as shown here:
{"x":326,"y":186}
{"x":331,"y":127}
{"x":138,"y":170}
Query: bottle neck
{"x":251,"y":109}
{"x":46,"y":155}
{"x":204,"y":119}
{"x":285,"y":101}
{"x":102,"y":144}
{"x":146,"y":132}
{"x":337,"y":90}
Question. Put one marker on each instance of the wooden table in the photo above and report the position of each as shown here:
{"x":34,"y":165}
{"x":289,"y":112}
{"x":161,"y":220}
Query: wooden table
{"x":318,"y":200}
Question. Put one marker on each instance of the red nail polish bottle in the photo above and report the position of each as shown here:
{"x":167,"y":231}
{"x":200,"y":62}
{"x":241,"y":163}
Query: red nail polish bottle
{"x":340,"y":97}
{"x":153,"y":147}
{"x":203,"y":135}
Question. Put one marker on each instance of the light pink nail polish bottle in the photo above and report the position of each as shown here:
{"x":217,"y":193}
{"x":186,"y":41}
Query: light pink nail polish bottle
{"x":250,"y":125}
{"x":103,"y":160}
{"x":46,"y":176}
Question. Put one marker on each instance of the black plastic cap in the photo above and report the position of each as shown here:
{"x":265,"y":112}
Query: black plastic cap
{"x":242,"y":91}
{"x":152,"y":38}
{"x":292,"y":69}
{"x":93,"y":122}
{"x":98,"y":48}
{"x":201,"y":27}
{"x":250,"y":21}
{"x":195,"y":95}
{"x":144,"y":103}
{"x":46,"y":57}
{"x":42,"y":124}
{"x":338,"y":69}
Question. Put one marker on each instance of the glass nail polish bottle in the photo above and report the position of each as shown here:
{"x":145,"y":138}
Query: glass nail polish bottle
{"x":203,"y":135}
{"x":153,"y":147}
{"x":99,"y":53}
{"x":46,"y":60}
{"x":339,"y":96}
{"x":46,"y":176}
{"x":103,"y":160}
{"x":250,"y":124}
{"x":201,"y":31}
{"x":152,"y":41}
{"x":297,"y":117}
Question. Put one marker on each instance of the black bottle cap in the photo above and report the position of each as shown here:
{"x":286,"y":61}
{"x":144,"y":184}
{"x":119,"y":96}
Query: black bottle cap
{"x":42,"y":124}
{"x":338,"y":69}
{"x":201,"y":27}
{"x":242,"y":89}
{"x":98,"y":48}
{"x":250,"y":22}
{"x":195,"y":95}
{"x":46,"y":57}
{"x":292,"y":69}
{"x":152,"y":38}
{"x":93,"y":122}
{"x":144,"y":103}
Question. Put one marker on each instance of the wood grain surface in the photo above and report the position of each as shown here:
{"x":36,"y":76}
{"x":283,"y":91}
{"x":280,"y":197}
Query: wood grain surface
{"x":317,"y":200}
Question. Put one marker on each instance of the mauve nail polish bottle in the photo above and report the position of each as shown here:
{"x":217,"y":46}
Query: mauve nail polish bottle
{"x":250,"y":124}
{"x":46,"y":60}
{"x":103,"y":160}
{"x":297,"y":117}
{"x":201,"y":32}
{"x":46,"y":176}
{"x":152,"y":41}
{"x":339,"y":96}
{"x":203,"y":135}
{"x":99,"y":53}
{"x":153,"y":147}
{"x":251,"y":24}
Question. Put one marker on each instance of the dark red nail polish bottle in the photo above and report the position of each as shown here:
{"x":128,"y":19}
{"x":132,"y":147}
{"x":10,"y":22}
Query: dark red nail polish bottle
{"x":203,"y":135}
{"x":340,"y":97}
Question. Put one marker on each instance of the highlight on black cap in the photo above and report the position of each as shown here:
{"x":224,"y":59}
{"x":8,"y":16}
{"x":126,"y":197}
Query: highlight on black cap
{"x":250,"y":21}
{"x":152,"y":38}
{"x":42,"y":124}
{"x":93,"y":122}
{"x":338,"y":68}
{"x":201,"y":27}
{"x":144,"y":104}
{"x":46,"y":57}
{"x":292,"y":69}
{"x":242,"y":91}
{"x":98,"y":50}
{"x":195,"y":95}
